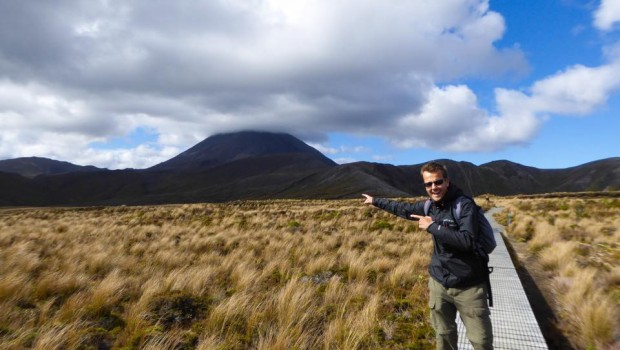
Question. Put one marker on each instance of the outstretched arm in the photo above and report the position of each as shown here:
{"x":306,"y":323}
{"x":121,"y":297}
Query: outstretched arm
{"x":402,"y":209}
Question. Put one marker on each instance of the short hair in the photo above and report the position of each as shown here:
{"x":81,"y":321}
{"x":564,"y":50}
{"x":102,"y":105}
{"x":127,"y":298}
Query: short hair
{"x":434,"y":167}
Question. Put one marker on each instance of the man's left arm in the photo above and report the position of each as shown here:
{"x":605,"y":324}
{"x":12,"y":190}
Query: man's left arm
{"x":464,"y":237}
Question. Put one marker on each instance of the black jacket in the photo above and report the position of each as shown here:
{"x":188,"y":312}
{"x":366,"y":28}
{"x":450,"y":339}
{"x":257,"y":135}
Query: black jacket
{"x":453,"y":263}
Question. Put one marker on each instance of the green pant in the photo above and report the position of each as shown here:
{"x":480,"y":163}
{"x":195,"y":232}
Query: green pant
{"x":471,"y":303}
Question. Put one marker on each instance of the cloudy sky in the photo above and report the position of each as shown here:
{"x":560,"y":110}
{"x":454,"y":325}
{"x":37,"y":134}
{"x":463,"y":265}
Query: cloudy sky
{"x":128,"y":84}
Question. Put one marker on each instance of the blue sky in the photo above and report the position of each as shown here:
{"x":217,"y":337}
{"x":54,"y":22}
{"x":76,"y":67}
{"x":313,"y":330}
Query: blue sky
{"x":128,"y":85}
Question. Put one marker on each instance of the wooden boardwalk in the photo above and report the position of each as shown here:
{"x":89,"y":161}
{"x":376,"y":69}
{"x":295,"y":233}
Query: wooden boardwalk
{"x":514,"y":324}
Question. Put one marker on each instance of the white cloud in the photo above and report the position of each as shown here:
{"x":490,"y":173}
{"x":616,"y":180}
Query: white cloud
{"x":35,"y":107}
{"x":448,"y":114}
{"x":345,"y":160}
{"x":324,"y":148}
{"x":451,"y":120}
{"x":98,"y":71}
{"x":142,"y":156}
{"x":383,"y":158}
{"x":577,"y":90}
{"x":337,"y":150}
{"x":607,"y":15}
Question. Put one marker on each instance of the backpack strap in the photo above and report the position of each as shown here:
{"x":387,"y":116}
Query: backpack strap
{"x":457,"y":207}
{"x":488,"y":283}
{"x":427,"y":207}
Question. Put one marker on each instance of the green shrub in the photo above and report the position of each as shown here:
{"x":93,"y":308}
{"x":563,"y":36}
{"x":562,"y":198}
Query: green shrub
{"x":381,"y":225}
{"x":294,"y":225}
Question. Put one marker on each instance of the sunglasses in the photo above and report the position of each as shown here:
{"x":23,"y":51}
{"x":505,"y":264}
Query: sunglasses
{"x":436,"y":183}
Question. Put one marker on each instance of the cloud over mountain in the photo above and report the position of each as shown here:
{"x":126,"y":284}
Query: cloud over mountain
{"x":75,"y":74}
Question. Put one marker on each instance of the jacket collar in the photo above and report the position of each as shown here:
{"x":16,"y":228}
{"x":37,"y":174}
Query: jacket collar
{"x":453,"y":192}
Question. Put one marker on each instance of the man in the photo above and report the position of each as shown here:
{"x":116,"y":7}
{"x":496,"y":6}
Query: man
{"x":457,"y":280}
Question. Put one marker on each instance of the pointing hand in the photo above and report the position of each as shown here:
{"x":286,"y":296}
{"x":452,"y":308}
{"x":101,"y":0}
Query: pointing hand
{"x":424,"y":221}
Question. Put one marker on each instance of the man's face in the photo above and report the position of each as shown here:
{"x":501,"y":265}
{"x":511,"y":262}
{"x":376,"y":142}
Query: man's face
{"x":431,"y":182}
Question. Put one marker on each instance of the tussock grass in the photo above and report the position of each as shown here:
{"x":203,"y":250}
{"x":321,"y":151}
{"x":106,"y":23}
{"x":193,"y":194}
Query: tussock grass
{"x":576,"y":240}
{"x":241,"y":275}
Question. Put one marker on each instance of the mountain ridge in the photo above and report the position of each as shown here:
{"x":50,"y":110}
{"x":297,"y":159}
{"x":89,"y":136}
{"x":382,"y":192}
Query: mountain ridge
{"x":34,"y":166}
{"x":225,"y":148}
{"x":259,"y":165}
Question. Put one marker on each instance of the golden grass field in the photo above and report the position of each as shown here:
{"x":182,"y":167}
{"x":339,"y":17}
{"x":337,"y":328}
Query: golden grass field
{"x":282,"y":274}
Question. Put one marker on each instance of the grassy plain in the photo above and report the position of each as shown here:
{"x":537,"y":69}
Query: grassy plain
{"x":262,"y":275}
{"x":272,"y":274}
